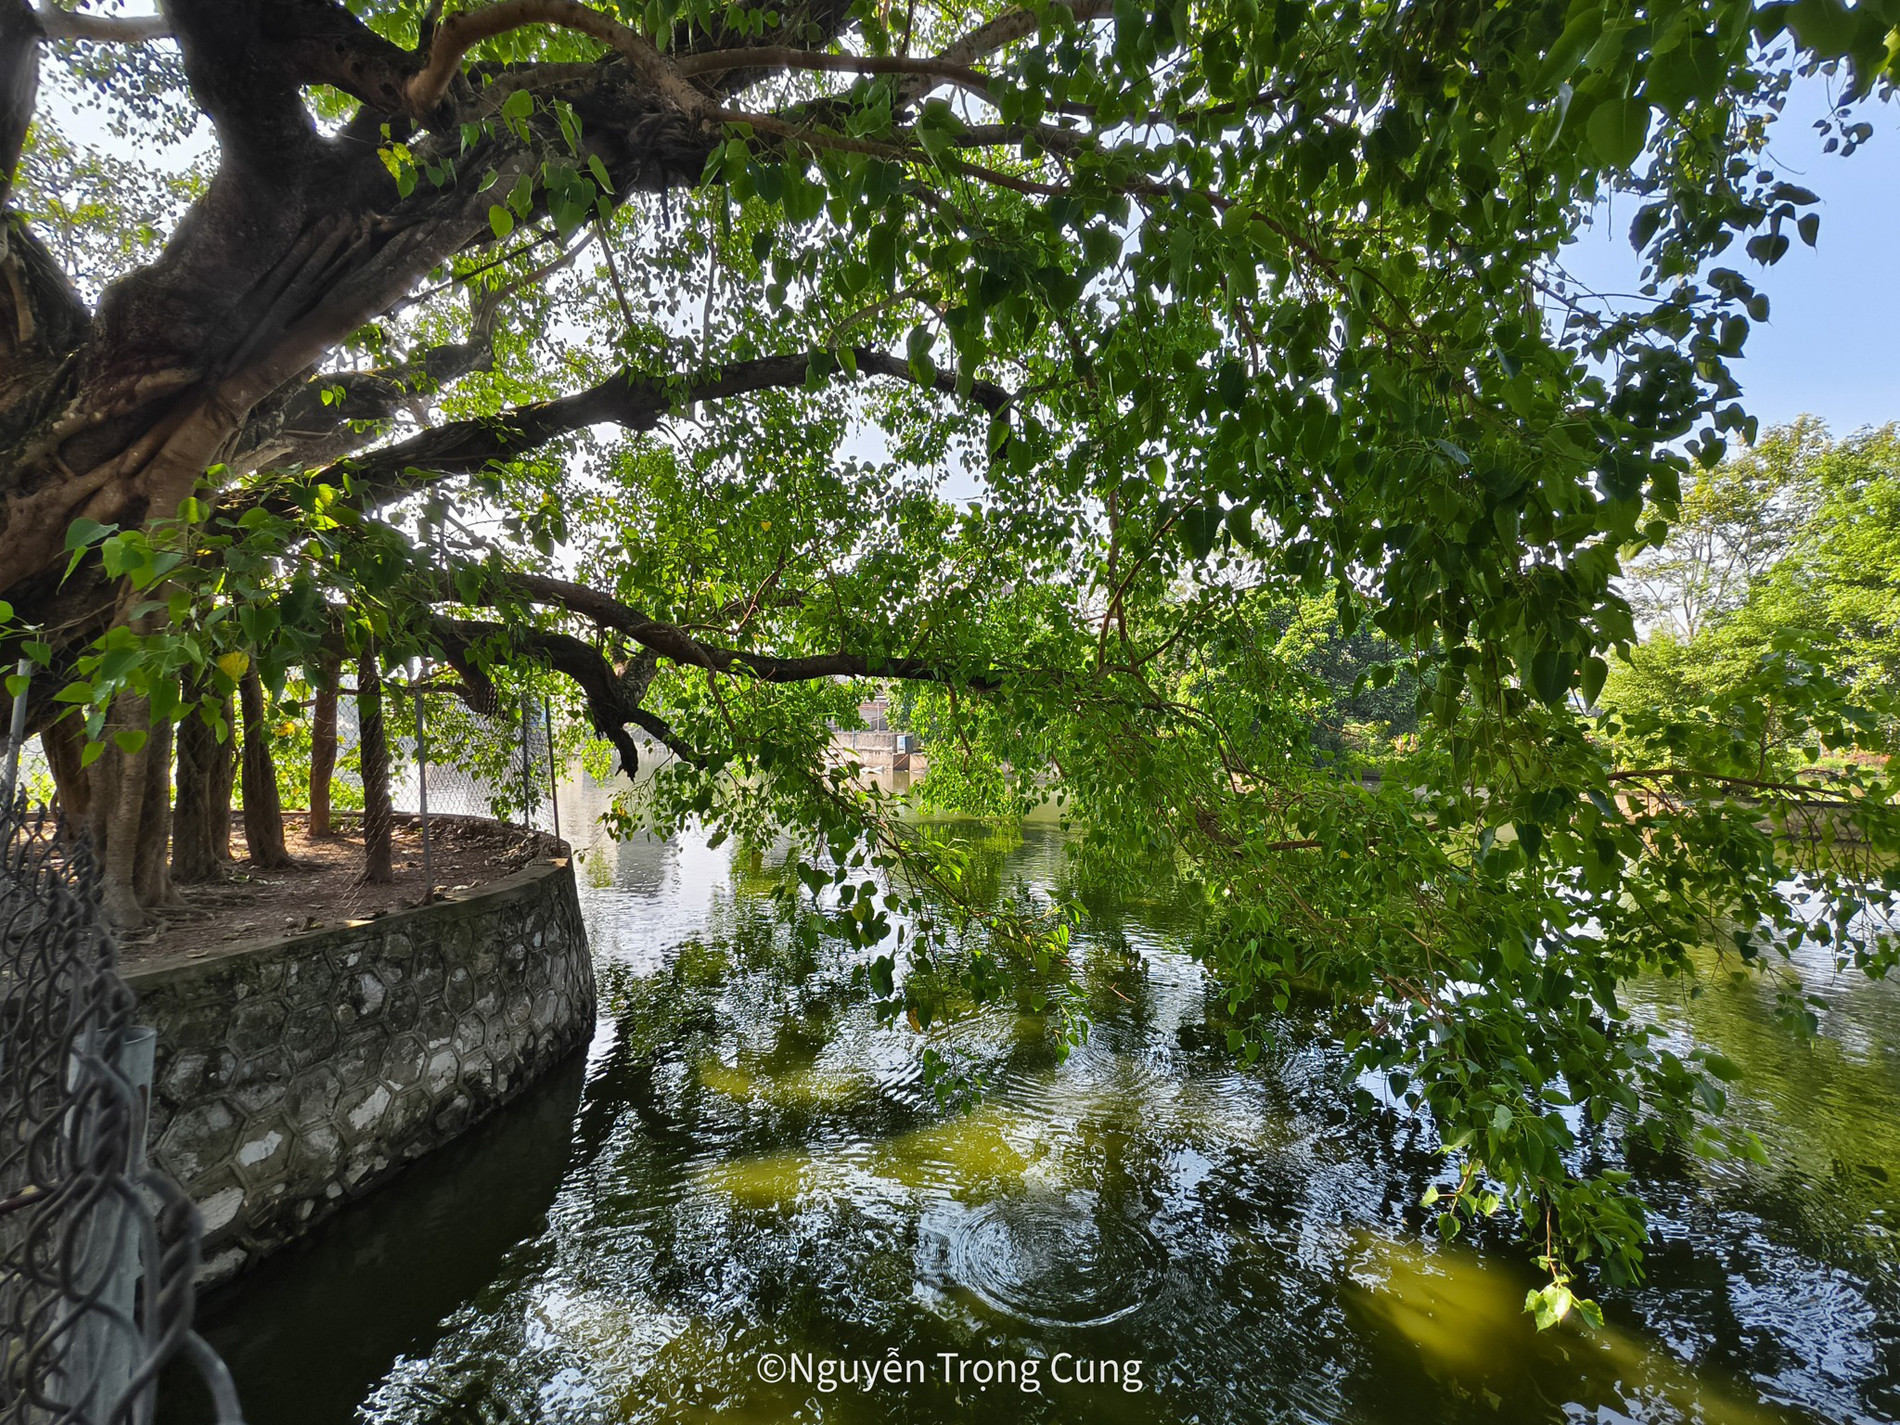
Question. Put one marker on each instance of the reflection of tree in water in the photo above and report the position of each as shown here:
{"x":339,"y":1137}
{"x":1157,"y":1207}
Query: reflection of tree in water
{"x":644,"y":863}
{"x":1828,"y":1116}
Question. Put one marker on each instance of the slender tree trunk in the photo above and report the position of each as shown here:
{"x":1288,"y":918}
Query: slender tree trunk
{"x":201,"y":819}
{"x":323,"y":746}
{"x":378,"y":813}
{"x":102,"y":790}
{"x":118,"y":800}
{"x":263,"y":808}
{"x":151,"y":869}
{"x":61,"y":743}
{"x":224,"y":785}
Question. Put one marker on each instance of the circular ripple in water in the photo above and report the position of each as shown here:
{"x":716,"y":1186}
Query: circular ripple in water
{"x":1056,"y":1261}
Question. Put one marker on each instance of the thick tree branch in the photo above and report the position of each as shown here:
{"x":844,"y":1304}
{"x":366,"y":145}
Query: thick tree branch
{"x":19,"y":85}
{"x":102,"y":29}
{"x":1005,"y":29}
{"x":248,"y":64}
{"x":1013,"y":25}
{"x":675,"y":644}
{"x":612,"y":694}
{"x":634,"y":401}
{"x":459,"y":34}
{"x":789,"y":57}
{"x":330,"y":415}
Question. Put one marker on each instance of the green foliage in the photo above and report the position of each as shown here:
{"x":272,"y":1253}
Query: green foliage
{"x":1291,"y":418}
{"x":1785,"y":551}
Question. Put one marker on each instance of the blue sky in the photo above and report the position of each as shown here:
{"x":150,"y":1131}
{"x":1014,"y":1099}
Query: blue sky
{"x":1831,"y":346}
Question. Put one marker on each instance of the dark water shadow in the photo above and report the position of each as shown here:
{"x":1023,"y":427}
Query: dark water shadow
{"x":309,"y":1332}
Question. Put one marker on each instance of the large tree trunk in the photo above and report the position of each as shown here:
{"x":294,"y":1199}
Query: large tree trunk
{"x":202,"y":357}
{"x":378,"y":812}
{"x":61,"y":742}
{"x":263,"y":807}
{"x":323,"y":746}
{"x":201,"y":820}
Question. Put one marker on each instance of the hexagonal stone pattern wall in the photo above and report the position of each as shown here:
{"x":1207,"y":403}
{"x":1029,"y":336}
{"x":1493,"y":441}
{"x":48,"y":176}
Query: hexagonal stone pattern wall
{"x":296,"y":1074}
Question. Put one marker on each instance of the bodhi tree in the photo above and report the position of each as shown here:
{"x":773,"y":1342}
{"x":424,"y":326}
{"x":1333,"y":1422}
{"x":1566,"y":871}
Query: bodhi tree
{"x":638,"y":347}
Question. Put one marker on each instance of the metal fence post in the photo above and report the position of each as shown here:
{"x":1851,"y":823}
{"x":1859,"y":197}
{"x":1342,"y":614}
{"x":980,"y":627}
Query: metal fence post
{"x":528,"y":799}
{"x":98,"y":1250}
{"x":16,"y":735}
{"x":107,"y":1343}
{"x":422,"y":793}
{"x":554,"y":776}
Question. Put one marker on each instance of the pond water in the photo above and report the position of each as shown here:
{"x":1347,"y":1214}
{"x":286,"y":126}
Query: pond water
{"x":749,"y":1180}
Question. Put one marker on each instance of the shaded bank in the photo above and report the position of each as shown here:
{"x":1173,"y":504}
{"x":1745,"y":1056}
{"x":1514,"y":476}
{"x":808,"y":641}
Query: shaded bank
{"x":294,"y":1075}
{"x":311,"y":1330}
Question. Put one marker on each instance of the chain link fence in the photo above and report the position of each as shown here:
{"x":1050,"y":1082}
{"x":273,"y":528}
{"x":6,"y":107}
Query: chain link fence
{"x":453,"y":761}
{"x":97,"y":1251}
{"x":464,"y":763}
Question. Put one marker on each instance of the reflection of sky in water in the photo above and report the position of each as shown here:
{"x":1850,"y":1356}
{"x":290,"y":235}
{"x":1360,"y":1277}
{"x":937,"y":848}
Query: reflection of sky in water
{"x":757,"y":1165}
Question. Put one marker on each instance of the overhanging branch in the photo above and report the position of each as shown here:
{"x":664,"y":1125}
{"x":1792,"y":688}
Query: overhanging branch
{"x":612,"y":695}
{"x":59,"y":24}
{"x":634,"y":401}
{"x":677,"y":645}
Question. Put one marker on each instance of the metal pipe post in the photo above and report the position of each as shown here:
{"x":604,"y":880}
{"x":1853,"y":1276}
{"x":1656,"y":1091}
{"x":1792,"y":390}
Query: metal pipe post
{"x":107,"y":1341}
{"x":16,"y":735}
{"x":554,"y":778}
{"x":528,"y":798}
{"x":422,"y":794}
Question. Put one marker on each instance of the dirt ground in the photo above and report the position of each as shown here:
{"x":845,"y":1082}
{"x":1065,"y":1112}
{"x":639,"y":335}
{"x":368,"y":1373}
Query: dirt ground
{"x":325,"y":886}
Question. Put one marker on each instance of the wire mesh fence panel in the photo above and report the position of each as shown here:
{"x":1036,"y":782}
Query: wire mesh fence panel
{"x":463,"y":762}
{"x":472,"y":764}
{"x":97,"y":1251}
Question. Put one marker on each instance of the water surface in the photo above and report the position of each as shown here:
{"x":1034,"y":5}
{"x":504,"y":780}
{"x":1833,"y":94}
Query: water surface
{"x":750,"y":1168}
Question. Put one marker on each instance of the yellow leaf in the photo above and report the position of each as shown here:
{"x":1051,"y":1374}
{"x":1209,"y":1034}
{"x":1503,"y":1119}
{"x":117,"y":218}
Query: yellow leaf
{"x":234,"y":665}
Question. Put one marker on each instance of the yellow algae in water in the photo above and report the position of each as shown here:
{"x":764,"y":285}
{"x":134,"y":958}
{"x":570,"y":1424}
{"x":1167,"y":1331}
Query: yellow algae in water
{"x":1468,"y":1321}
{"x":767,"y":1180}
{"x":1462,"y":1317}
{"x":969,"y":1152}
{"x":815,"y":1088}
{"x":790,"y":1088}
{"x":723,"y":1078}
{"x":698,"y":1376}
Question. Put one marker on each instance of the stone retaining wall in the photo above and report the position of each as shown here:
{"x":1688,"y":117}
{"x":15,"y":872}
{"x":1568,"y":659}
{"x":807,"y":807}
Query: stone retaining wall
{"x":296,"y":1074}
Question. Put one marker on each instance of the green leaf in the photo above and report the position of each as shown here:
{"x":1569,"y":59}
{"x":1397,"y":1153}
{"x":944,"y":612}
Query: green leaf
{"x":1827,"y":27}
{"x":1200,"y":527}
{"x":1618,"y":129}
{"x":1595,"y":673}
{"x":1551,"y":670}
{"x":82,"y":532}
{"x":501,"y":220}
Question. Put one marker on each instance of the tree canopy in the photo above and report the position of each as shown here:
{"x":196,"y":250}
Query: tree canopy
{"x":636,"y":347}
